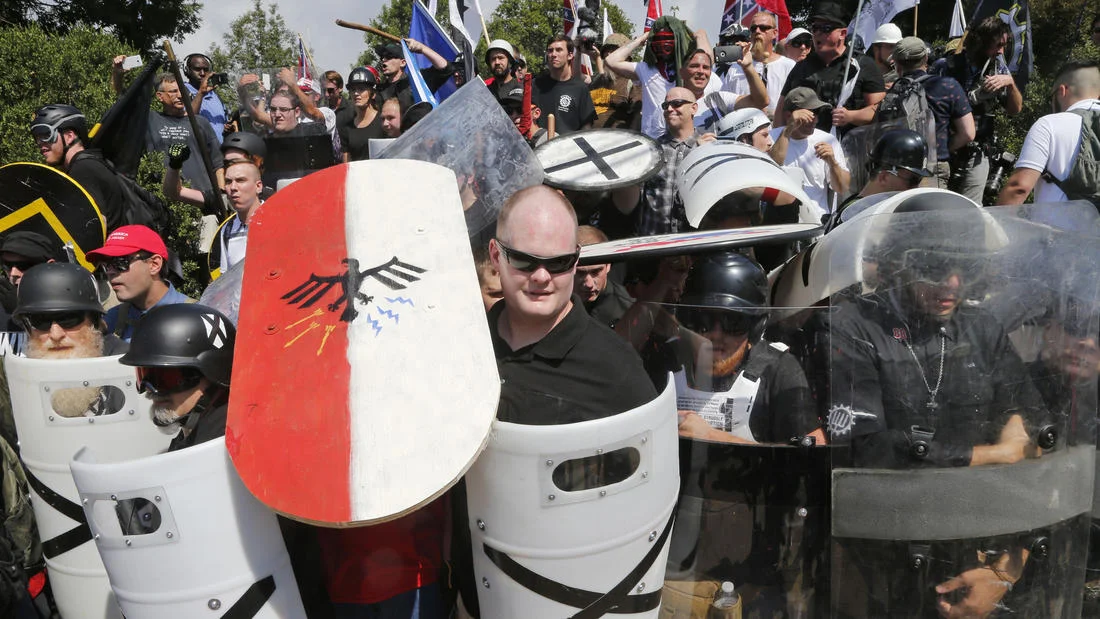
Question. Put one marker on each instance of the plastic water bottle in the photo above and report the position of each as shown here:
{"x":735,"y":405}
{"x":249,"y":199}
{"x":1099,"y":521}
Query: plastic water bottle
{"x":726,"y":604}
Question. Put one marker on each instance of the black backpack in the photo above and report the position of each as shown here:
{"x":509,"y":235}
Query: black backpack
{"x":141,"y":206}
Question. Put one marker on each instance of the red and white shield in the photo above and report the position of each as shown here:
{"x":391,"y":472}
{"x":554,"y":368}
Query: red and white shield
{"x":364,"y":383}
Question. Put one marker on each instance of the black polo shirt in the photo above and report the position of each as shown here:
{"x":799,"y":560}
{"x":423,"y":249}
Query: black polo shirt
{"x":827,"y":81}
{"x":580,"y":371}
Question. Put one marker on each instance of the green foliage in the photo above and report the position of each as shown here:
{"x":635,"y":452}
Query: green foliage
{"x":256,"y":39}
{"x":183,"y":237}
{"x":44,"y":68}
{"x":139,"y":24}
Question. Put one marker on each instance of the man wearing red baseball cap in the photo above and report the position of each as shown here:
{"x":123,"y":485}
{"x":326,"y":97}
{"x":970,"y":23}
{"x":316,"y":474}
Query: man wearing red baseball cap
{"x":134,"y":258}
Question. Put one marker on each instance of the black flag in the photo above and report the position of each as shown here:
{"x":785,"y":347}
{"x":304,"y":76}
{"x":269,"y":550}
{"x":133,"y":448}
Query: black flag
{"x":121,"y":132}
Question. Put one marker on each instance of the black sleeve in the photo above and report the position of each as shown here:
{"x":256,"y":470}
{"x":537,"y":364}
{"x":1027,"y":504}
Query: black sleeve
{"x":791,"y":405}
{"x":211,"y":426}
{"x":436,"y":77}
{"x":211,"y":142}
{"x":794,"y":78}
{"x":102,"y":185}
{"x":870,"y":78}
{"x":586,"y":111}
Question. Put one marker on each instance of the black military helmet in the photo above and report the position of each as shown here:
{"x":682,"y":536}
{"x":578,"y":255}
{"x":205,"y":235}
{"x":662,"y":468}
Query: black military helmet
{"x":901,"y":148}
{"x":250,"y":143}
{"x":57,"y":287}
{"x":50,"y":119}
{"x":362,"y":75}
{"x":727,"y":280}
{"x":185,"y":335}
{"x":932,"y":233}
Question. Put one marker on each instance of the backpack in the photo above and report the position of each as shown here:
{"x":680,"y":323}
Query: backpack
{"x":906,"y":99}
{"x":141,"y":206}
{"x":1083,"y":182}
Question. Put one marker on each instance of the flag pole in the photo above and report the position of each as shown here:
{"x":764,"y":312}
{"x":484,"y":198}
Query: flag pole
{"x":309,"y":56}
{"x":851,"y":50}
{"x":916,"y":15}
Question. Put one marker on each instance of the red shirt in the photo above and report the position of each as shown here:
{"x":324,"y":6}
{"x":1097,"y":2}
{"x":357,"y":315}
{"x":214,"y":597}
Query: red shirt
{"x":366,"y":565}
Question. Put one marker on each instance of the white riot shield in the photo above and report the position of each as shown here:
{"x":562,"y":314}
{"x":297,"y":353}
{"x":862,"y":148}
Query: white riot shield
{"x":576,"y":516}
{"x":182,"y":537}
{"x":50,"y":400}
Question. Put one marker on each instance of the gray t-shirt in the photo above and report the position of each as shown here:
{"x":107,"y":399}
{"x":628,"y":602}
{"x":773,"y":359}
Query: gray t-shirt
{"x":164,"y":131}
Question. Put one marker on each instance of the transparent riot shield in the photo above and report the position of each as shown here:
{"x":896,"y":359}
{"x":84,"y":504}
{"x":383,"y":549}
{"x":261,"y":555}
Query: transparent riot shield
{"x":59,"y":407}
{"x":962,"y":484}
{"x":574,"y":519}
{"x":186,"y":512}
{"x":753,"y":507}
{"x":859,"y":143}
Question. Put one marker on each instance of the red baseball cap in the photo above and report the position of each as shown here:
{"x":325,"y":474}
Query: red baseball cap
{"x":127,"y":240}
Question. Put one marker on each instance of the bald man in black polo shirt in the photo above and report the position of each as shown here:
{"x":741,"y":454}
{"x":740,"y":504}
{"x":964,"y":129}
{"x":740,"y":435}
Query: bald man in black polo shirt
{"x":558,"y":364}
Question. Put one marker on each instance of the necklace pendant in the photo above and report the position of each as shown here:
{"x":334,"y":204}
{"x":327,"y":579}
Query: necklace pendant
{"x":932,"y":405}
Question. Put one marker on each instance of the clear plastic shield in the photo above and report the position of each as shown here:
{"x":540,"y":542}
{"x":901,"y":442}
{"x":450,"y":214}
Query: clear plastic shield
{"x":860,"y":142}
{"x":961,"y":403}
{"x":470,"y":134}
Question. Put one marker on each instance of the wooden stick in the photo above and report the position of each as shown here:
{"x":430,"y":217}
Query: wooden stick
{"x":370,"y":29}
{"x":550,"y":127}
{"x":916,"y":14}
{"x":484,"y":28}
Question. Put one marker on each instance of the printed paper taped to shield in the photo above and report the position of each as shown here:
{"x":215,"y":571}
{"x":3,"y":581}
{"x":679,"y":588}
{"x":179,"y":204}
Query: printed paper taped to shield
{"x":364,"y":380}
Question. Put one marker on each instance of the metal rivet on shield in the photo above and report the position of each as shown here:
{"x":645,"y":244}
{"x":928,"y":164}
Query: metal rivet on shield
{"x":652,"y":535}
{"x":485,"y":581}
{"x":803,"y":512}
{"x":603,"y":492}
{"x":641,"y":587}
{"x":114,"y":497}
{"x":157,"y":499}
{"x":51,"y":417}
{"x":420,"y":230}
{"x":97,"y":536}
{"x":551,"y":497}
{"x":131,"y":412}
{"x":599,"y":451}
{"x":129,"y":382}
{"x":214,"y":604}
{"x":549,"y":463}
{"x":85,"y":383}
{"x":481,"y":524}
{"x":128,"y":542}
{"x":91,"y":419}
{"x":645,"y":474}
{"x":46,"y":388}
{"x":645,"y":439}
{"x":169,"y":535}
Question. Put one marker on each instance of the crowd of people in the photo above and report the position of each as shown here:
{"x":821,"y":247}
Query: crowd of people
{"x":603,"y":339}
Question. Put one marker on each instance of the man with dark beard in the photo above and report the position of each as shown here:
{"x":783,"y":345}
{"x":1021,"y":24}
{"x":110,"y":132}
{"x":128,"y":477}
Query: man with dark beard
{"x":184,"y":356}
{"x":501,"y":60}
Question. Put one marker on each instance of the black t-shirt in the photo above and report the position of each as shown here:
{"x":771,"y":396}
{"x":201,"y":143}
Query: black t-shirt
{"x":354,"y":140}
{"x":90,"y":172}
{"x":569,"y":102}
{"x":210,"y":425}
{"x":827,"y":81}
{"x":579,"y":372}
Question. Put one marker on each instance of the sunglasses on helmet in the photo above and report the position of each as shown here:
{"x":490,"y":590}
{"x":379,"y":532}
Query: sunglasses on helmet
{"x":166,"y":380}
{"x":45,"y":322}
{"x":703,"y":321}
{"x":529,"y":263}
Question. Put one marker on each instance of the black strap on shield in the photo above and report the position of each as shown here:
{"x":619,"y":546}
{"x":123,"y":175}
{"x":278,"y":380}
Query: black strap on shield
{"x":70,"y":539}
{"x":592,"y":604}
{"x":252,"y":600}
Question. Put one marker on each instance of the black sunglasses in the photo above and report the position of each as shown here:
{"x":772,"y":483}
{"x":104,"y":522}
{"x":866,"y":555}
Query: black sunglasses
{"x":702,"y":321}
{"x":801,"y":42}
{"x":824,"y":28}
{"x":528,"y":263}
{"x":22,"y":265}
{"x":676,"y":103}
{"x":122,"y":264}
{"x":44,"y":322}
{"x":760,"y":27}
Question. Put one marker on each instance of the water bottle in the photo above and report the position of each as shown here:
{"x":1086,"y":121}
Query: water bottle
{"x":726,"y":604}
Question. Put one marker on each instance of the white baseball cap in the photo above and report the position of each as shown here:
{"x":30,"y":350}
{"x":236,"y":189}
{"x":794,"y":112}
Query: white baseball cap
{"x":796,"y":33}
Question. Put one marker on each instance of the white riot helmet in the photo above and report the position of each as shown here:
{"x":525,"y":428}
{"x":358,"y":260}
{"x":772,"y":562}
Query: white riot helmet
{"x":506,"y":47}
{"x":741,"y":122}
{"x":887,"y":33}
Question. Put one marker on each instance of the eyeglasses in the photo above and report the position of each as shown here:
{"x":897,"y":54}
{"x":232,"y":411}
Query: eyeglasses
{"x":122,"y":264}
{"x":166,"y":380}
{"x":824,"y":28}
{"x":675,"y":103}
{"x":528,"y":263}
{"x":331,"y":91}
{"x":284,"y":110}
{"x":22,"y":265}
{"x":760,"y":27}
{"x":45,"y":322}
{"x":702,"y":321}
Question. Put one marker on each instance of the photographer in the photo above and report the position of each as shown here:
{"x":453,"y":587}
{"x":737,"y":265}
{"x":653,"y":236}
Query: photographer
{"x":202,"y":79}
{"x":772,"y":68}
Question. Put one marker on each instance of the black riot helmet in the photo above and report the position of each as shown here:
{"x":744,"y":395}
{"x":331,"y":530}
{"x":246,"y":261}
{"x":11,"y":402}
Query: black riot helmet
{"x":49,"y":120}
{"x":184,"y":335}
{"x":901,"y":148}
{"x":362,"y":76}
{"x":252,"y":144}
{"x":726,"y":281}
{"x":57,"y":287}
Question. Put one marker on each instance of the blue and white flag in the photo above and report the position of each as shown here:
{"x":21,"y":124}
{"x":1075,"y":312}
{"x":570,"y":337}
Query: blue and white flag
{"x":875,"y":13}
{"x":420,"y":89}
{"x":426,"y":29}
{"x":958,"y":21}
{"x":1017,"y":15}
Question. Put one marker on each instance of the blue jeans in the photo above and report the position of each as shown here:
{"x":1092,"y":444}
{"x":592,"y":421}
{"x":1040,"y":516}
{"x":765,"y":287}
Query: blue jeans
{"x":423,"y":603}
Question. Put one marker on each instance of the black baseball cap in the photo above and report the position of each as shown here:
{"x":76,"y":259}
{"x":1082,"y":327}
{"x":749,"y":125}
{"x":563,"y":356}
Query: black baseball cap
{"x":30,"y":245}
{"x":831,"y":12}
{"x":388,"y":50}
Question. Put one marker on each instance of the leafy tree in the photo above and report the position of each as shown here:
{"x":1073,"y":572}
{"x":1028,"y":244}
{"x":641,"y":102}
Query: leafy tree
{"x":395,"y":18}
{"x":257,"y":38}
{"x":139,"y":24}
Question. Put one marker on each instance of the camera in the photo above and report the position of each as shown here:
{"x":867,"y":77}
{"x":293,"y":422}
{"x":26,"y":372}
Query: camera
{"x":734,"y":33}
{"x":727,"y":54}
{"x":999,"y":165}
{"x":218,"y":79}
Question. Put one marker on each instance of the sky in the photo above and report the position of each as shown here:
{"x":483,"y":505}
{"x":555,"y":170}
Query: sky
{"x":337,"y":48}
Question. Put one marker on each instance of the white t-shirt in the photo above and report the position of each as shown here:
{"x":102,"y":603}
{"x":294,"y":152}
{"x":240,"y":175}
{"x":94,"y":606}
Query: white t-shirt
{"x":801,"y":155}
{"x":773,"y":73}
{"x":654,"y":89}
{"x":706,"y":118}
{"x":1051,"y":145}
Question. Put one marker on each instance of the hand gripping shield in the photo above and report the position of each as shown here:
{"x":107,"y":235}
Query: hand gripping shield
{"x":50,"y":399}
{"x":574,"y":520}
{"x":188,"y":512}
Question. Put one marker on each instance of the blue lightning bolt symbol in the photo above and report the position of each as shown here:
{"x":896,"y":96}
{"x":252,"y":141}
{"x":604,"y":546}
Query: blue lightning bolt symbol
{"x":389,"y":314}
{"x":375,"y":324}
{"x":403,"y":300}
